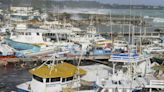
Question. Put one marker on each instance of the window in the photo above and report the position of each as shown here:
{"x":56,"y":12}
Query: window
{"x":99,"y":48}
{"x":37,"y":33}
{"x":26,"y":33}
{"x":21,"y":33}
{"x":55,"y":79}
{"x":37,"y":78}
{"x":124,"y":42}
{"x":63,"y":79}
{"x":107,"y":51}
{"x":47,"y":80}
{"x":29,"y":33}
{"x":69,"y":78}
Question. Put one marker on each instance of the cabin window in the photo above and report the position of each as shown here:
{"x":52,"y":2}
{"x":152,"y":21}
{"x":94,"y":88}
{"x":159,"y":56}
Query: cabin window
{"x":107,"y":51}
{"x":55,"y":79}
{"x":37,"y":78}
{"x":26,"y":33}
{"x":99,"y":48}
{"x":37,"y":33}
{"x":63,"y":79}
{"x":47,"y":79}
{"x":29,"y":33}
{"x":120,"y":42}
{"x":69,"y":78}
{"x":21,"y":33}
{"x":49,"y":62}
{"x":0,"y":53}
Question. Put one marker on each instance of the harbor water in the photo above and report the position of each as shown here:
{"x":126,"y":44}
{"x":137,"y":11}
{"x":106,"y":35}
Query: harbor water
{"x":12,"y":76}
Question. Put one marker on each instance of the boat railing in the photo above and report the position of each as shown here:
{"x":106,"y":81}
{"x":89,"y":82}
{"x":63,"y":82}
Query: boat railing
{"x":156,"y":84}
{"x":135,"y":58}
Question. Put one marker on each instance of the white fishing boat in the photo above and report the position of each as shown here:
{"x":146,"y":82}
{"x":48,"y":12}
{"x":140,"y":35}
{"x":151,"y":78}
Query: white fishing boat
{"x":6,"y":51}
{"x":23,"y":38}
{"x":158,"y":20}
{"x":53,"y":76}
{"x":134,"y":75}
{"x":89,"y":36}
{"x":153,"y":49}
{"x":120,"y":43}
{"x":92,"y":71}
{"x":32,"y":36}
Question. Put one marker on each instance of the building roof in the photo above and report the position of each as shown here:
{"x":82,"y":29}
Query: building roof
{"x":63,"y":70}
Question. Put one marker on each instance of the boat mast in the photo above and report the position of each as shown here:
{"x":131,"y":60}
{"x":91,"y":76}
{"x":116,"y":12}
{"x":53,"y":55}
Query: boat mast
{"x":130,"y":68}
{"x":133,"y":35}
{"x":140,"y":34}
{"x":111,"y":24}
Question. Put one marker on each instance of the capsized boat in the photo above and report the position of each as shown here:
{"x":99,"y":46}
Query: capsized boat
{"x":53,"y":76}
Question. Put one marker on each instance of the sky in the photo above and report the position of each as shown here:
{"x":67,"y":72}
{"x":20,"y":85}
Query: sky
{"x":134,"y":2}
{"x":143,"y":2}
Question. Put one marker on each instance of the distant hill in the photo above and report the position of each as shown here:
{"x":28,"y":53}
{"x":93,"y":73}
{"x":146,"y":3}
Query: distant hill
{"x":71,"y":4}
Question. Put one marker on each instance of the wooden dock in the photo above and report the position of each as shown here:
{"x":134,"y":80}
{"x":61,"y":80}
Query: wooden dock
{"x":40,"y":59}
{"x":91,"y":57}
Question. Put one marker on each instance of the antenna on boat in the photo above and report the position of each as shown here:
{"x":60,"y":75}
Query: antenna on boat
{"x":130,"y":21}
{"x":78,"y":69}
{"x":140,"y":34}
{"x":51,"y":62}
{"x":130,"y":70}
{"x":111,"y":27}
{"x":123,"y":25}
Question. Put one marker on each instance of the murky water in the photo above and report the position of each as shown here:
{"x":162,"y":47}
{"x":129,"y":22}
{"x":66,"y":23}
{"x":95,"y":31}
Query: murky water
{"x":14,"y":74}
{"x":11,"y":76}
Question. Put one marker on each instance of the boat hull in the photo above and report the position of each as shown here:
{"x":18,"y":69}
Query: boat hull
{"x":6,"y":57}
{"x":22,"y":46}
{"x":21,"y":90}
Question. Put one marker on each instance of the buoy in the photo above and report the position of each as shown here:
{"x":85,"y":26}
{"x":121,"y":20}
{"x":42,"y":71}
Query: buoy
{"x":23,"y":65}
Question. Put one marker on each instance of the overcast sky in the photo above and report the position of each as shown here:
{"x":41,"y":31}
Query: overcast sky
{"x":143,"y":2}
{"x":146,"y":2}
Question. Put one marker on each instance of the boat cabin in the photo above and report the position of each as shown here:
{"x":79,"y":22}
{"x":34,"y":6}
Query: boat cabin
{"x":54,"y":78}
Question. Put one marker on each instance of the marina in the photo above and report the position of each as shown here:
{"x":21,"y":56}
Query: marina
{"x":81,"y":46}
